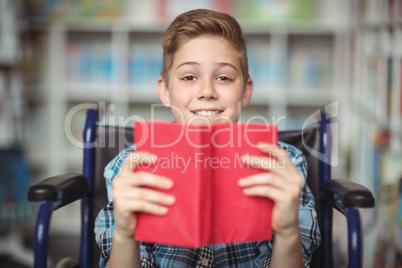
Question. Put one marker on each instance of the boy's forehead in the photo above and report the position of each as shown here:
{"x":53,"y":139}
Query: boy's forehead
{"x":197,"y":49}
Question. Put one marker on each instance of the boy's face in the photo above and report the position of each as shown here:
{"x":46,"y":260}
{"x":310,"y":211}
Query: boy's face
{"x":205,"y":83}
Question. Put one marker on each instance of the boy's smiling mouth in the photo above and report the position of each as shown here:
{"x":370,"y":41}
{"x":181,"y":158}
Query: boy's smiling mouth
{"x":206,"y":112}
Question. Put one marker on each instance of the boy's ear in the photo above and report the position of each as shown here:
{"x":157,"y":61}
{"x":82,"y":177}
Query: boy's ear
{"x":163,"y":91}
{"x":248,"y":92}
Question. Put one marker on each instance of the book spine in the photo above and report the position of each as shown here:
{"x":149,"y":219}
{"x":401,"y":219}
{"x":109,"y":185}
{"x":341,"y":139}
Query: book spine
{"x":274,"y":131}
{"x":205,"y":179}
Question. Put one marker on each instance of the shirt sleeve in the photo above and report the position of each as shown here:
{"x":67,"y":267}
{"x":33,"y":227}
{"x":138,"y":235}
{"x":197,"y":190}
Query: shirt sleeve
{"x":308,"y":222}
{"x":105,"y":221}
{"x":113,"y":169}
{"x":104,"y":226}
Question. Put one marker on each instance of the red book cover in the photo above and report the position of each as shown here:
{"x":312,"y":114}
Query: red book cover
{"x":205,"y":164}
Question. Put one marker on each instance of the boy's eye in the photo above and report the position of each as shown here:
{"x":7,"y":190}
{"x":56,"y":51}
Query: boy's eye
{"x":189,"y":78}
{"x":223,"y":78}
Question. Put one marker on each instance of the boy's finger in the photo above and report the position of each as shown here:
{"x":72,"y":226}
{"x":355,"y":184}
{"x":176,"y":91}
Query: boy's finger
{"x":272,"y":150}
{"x":263,"y":179}
{"x":144,"y":206}
{"x":152,"y":196}
{"x":275,"y":165}
{"x":133,"y":160}
{"x":142,"y":178}
{"x":152,"y":180}
{"x":265,"y":191}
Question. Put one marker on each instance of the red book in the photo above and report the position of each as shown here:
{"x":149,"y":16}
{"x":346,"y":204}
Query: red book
{"x":205,"y":164}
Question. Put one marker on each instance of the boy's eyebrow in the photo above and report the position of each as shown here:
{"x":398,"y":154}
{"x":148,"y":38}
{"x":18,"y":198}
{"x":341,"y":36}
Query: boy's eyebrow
{"x":224,"y":64}
{"x":218,"y":64}
{"x":188,"y":63}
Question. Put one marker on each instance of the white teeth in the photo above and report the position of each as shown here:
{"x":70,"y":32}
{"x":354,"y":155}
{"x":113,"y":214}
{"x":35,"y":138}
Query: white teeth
{"x":207,"y":112}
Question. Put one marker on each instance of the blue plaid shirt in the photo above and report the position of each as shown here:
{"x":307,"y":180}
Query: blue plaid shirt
{"x":251,"y":254}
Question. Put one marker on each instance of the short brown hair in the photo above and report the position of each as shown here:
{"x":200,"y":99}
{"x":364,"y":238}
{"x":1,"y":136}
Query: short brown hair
{"x":198,"y":22}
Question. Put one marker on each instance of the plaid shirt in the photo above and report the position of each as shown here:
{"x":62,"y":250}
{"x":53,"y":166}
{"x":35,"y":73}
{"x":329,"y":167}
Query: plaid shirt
{"x":251,"y":254}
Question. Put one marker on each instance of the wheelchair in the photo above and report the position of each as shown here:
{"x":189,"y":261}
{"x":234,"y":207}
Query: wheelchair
{"x":102,"y":143}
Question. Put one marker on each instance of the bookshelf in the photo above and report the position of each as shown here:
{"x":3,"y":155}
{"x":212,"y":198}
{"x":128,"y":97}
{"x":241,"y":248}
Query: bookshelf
{"x":375,"y":123}
{"x":16,"y":213}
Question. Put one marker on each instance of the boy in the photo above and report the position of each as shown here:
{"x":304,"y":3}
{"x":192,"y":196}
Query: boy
{"x":204,"y":80}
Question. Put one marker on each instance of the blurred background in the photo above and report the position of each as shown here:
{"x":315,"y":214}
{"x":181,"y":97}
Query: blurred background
{"x":57,"y":58}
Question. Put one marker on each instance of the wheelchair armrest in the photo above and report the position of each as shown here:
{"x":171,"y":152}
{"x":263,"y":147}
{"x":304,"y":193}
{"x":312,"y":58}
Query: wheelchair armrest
{"x":62,"y":189}
{"x":341,"y":193}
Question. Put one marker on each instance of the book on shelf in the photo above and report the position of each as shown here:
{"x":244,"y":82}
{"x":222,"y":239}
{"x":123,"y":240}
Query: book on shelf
{"x":205,"y":163}
{"x":311,"y":65}
{"x":167,"y":10}
{"x":399,"y":217}
{"x":9,"y":32}
{"x":390,"y":85}
{"x":145,"y":64}
{"x":260,"y":63}
{"x":277,"y":11}
{"x":372,"y":91}
{"x":378,"y":11}
{"x":60,"y":9}
{"x":89,"y":62}
{"x":400,"y":89}
{"x":14,"y":210}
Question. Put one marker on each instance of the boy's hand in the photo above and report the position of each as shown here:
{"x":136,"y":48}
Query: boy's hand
{"x":282,"y":183}
{"x":129,"y":195}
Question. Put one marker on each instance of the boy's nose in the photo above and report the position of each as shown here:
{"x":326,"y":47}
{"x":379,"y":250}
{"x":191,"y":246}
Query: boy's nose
{"x":207,"y":91}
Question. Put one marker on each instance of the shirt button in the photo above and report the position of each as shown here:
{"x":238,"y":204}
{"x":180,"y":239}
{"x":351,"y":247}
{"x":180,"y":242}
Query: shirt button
{"x":204,"y":261}
{"x":314,"y":213}
{"x":95,"y":229}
